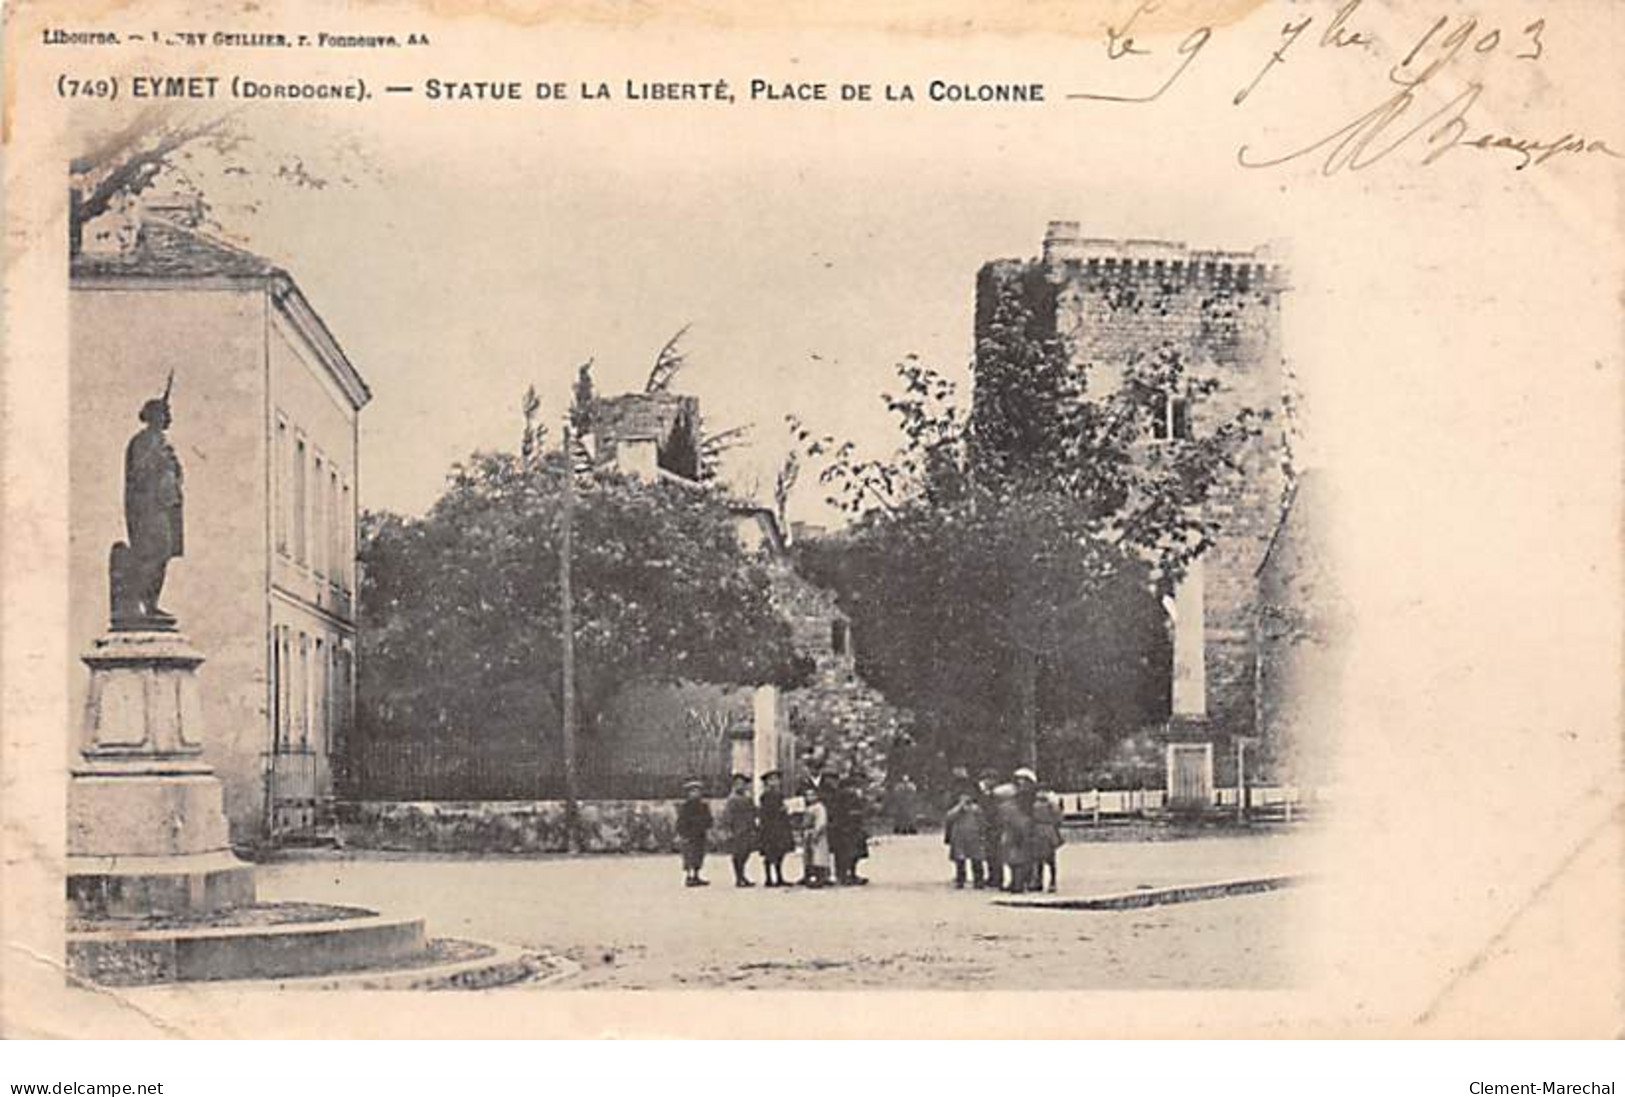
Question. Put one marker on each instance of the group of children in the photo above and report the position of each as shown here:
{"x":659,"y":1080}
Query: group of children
{"x":834,"y":834}
{"x":1007,"y":834}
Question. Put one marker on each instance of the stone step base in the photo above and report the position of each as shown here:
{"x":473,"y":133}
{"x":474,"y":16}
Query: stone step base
{"x":494,"y":966}
{"x":113,"y":887}
{"x":122,"y":957}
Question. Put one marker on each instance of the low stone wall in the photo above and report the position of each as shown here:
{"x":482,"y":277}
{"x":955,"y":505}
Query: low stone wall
{"x":522,"y":826}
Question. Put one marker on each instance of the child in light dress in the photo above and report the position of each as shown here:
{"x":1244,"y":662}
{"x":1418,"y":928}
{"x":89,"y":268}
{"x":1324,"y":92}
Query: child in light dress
{"x":815,"y":848}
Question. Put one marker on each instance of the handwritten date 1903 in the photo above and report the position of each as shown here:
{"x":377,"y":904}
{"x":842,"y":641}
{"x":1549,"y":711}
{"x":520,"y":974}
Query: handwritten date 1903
{"x":1393,"y":123}
{"x":1397,"y":120}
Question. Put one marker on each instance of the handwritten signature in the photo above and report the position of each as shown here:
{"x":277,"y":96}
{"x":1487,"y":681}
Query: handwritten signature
{"x":1395,"y":122}
{"x":1367,"y":139}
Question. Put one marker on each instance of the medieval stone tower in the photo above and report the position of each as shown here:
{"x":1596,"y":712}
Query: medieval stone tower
{"x":1115,"y":299}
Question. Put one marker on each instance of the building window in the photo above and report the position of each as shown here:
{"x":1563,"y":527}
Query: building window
{"x":279,"y":687}
{"x":287,"y":687}
{"x":320,"y":688}
{"x":318,"y":533}
{"x":1171,"y":419}
{"x":837,"y":636}
{"x":300,"y":503}
{"x":283,"y":487}
{"x":335,"y":532}
{"x":304,"y":692}
{"x":347,"y":522}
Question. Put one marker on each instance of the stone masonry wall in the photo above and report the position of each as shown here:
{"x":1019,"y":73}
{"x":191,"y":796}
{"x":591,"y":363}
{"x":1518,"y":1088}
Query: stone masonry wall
{"x":523,"y":826}
{"x":836,"y":711}
{"x":640,"y":416}
{"x":1115,"y":299}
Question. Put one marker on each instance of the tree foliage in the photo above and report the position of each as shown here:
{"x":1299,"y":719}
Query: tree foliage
{"x":193,"y":152}
{"x":460,"y":609}
{"x":669,"y":362}
{"x":993,"y":624}
{"x":1005,"y":568}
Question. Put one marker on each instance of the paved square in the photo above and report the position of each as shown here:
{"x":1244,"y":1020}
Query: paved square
{"x":629,"y":922}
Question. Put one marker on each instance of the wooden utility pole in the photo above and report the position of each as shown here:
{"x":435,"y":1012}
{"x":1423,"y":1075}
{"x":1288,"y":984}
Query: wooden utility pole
{"x":567,"y":628}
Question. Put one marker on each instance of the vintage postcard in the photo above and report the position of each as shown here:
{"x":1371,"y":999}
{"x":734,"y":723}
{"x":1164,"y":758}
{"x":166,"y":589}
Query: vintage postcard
{"x":1042,"y":520}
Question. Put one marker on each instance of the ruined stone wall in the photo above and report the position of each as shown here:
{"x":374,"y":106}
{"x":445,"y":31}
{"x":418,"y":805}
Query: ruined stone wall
{"x":837,"y":711}
{"x":812,"y":614}
{"x":1113,"y":300}
{"x":639,"y":417}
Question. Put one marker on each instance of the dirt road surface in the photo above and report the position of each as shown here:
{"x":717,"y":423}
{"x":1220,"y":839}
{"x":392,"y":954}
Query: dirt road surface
{"x":630,"y":924}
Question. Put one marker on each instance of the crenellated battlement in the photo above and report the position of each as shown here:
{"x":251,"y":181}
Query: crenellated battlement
{"x":1067,"y":250}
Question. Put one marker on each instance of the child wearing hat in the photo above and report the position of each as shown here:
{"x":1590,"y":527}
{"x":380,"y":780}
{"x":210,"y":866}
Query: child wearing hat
{"x":1015,"y":802}
{"x":773,"y":831}
{"x":849,"y":830}
{"x":1046,"y":838}
{"x":962,"y":831}
{"x":988,"y":805}
{"x":739,"y":817}
{"x":693,"y":829}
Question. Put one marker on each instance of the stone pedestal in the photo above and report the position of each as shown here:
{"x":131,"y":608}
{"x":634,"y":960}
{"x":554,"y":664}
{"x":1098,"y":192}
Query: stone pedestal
{"x":147,"y":829}
{"x":764,"y":734}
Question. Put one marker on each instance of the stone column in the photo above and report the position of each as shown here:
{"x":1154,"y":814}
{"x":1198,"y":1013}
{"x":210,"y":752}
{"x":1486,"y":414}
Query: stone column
{"x":147,"y":830}
{"x":765,"y":734}
{"x":1190,"y":648}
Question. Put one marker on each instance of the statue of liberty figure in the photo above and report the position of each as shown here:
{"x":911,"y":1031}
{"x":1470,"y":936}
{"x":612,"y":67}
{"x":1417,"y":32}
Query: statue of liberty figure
{"x":153,"y":520}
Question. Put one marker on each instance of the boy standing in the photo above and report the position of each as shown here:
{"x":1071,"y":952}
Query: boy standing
{"x":773,"y":832}
{"x":693,"y":829}
{"x":739,"y":817}
{"x":963,"y":834}
{"x":988,"y":804}
{"x":1047,"y":838}
{"x":852,"y":808}
{"x":832,"y":793}
{"x":1017,"y":834}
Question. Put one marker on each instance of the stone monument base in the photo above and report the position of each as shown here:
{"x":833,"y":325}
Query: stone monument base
{"x":155,"y":894}
{"x":129,"y":887}
{"x":147,"y":832}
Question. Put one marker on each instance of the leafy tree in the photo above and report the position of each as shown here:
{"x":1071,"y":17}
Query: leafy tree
{"x":582,"y":398}
{"x":460,"y":609}
{"x":1004,"y":570}
{"x":194,"y":152}
{"x":669,"y":362}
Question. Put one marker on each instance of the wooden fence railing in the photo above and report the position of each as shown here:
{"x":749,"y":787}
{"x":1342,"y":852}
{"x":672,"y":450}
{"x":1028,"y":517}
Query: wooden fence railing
{"x":1264,"y":802}
{"x":402,"y":771}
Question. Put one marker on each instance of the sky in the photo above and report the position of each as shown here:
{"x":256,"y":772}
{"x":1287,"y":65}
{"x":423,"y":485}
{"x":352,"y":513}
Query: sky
{"x":805,"y":270}
{"x":487,"y":248}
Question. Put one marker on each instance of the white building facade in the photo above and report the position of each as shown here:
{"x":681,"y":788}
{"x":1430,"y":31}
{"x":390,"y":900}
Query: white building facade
{"x":266,"y":407}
